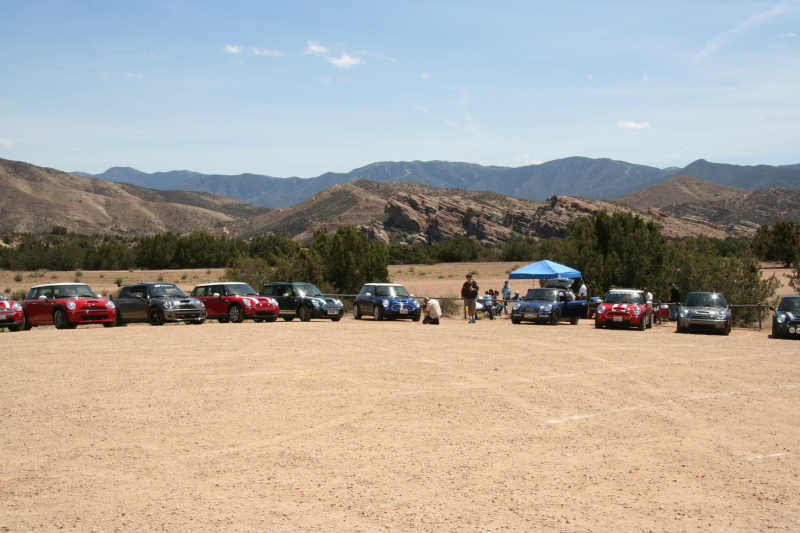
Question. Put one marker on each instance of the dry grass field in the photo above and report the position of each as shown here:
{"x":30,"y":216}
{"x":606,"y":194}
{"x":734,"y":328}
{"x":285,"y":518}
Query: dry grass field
{"x":395,"y":426}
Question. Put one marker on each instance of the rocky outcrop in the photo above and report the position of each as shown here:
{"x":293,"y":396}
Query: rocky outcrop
{"x":374,"y":232}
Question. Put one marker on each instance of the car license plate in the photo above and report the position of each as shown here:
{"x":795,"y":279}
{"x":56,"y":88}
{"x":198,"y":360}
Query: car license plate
{"x":404,"y":311}
{"x":530,"y":315}
{"x":333,"y":312}
{"x":617,"y":319}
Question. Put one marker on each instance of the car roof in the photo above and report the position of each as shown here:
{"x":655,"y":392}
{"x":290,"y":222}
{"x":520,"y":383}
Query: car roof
{"x":705,"y":292}
{"x":149,"y":283}
{"x":385,"y":284}
{"x":223,"y":283}
{"x":625,"y":291}
{"x":55,"y":284}
{"x":284,"y":283}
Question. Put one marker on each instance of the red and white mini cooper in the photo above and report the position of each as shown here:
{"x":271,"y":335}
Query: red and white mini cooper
{"x":66,"y":306}
{"x":11,"y":315}
{"x":624,"y":307}
{"x":233,"y":302}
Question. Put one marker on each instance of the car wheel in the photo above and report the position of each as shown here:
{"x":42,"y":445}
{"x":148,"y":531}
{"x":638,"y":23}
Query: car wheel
{"x":109,"y":324}
{"x":515,"y":320}
{"x":356,"y":312}
{"x":679,"y":329}
{"x":272,"y":319}
{"x":727,"y":330}
{"x":22,"y":327}
{"x":304,"y":313}
{"x":235,"y":314}
{"x":60,"y":320}
{"x":598,"y":325}
{"x":197,"y":322}
{"x":336,"y":319}
{"x":650,"y":322}
{"x":258,"y":320}
{"x":574,"y":321}
{"x":377,"y":312}
{"x":642,"y":324}
{"x":156,"y":317}
{"x":416,"y":318}
{"x":555,"y":317}
{"x":288,"y":318}
{"x":222,"y":320}
{"x":775,"y":334}
{"x":118,"y":321}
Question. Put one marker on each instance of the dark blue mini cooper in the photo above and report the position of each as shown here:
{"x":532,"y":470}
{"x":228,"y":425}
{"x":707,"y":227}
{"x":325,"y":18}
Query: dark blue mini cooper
{"x":550,"y":305}
{"x":786,"y":320}
{"x":386,"y":300}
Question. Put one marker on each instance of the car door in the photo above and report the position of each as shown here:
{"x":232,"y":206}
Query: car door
{"x":204,"y":295}
{"x":123,"y":304}
{"x":368,"y":301}
{"x":283,"y":295}
{"x":138,"y":304}
{"x":216,"y":303}
{"x":40,"y":310}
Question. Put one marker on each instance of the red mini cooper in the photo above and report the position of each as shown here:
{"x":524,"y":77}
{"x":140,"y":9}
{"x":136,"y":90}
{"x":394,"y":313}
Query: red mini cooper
{"x":66,"y":306}
{"x":11,"y":315}
{"x":233,"y":302}
{"x":624,"y":307}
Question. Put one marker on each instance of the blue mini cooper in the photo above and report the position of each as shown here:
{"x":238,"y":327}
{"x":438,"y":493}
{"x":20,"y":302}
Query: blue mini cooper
{"x":386,"y":300}
{"x":550,"y":305}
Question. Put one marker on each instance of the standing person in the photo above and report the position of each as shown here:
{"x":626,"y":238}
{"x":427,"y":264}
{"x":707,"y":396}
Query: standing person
{"x":432,"y":311}
{"x":583,"y":292}
{"x":506,"y":292}
{"x":469,"y":291}
{"x":674,"y":300}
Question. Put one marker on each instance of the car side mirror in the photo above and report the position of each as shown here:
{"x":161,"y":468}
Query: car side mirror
{"x":772,"y":308}
{"x":368,"y":295}
{"x":216,"y":295}
{"x":285,"y":294}
{"x":43,"y":297}
{"x":138,"y":297}
{"x":411,"y":295}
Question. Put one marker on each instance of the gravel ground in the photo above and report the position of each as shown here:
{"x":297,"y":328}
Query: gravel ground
{"x":396,"y":426}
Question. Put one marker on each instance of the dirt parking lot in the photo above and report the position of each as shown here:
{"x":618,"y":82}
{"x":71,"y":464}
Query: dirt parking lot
{"x":396,"y":426}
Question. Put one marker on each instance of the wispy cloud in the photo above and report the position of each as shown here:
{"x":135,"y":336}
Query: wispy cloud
{"x":425,"y":76}
{"x":645,"y":77}
{"x":5,"y":143}
{"x":377,"y":55}
{"x":676,"y":155}
{"x":630,"y":125}
{"x":265,"y":52}
{"x":727,"y":37}
{"x":345,"y":60}
{"x":314,"y":48}
{"x":325,"y":79}
{"x":590,"y":76}
{"x":76,"y":149}
{"x":468,"y":124}
{"x":525,"y":160}
{"x":233,"y":49}
{"x":132,"y":75}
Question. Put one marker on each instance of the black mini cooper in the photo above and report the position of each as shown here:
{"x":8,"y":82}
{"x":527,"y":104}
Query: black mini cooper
{"x":157,"y":303}
{"x":303,"y":301}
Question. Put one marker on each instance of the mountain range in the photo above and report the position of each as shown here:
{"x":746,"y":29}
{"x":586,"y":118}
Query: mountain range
{"x":599,"y":179}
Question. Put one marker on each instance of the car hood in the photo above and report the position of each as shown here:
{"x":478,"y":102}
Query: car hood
{"x":622,"y":306}
{"x":535,"y":303}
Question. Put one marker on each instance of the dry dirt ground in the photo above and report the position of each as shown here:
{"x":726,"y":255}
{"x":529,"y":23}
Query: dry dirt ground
{"x":396,"y":426}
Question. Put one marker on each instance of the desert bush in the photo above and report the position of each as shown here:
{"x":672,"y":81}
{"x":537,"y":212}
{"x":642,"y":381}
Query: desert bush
{"x":18,"y":295}
{"x":7,"y":290}
{"x":118,"y":281}
{"x":451,"y":308}
{"x":17,"y":277}
{"x":78,"y":273}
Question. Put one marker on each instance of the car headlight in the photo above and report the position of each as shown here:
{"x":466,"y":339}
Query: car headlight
{"x":547,"y":308}
{"x":722,"y":315}
{"x":16,"y":306}
{"x":199,"y":304}
{"x":601,"y":309}
{"x":317,"y":303}
{"x":416,"y":303}
{"x":637,"y":311}
{"x":385,"y":303}
{"x":248,"y":302}
{"x":781,"y":318}
{"x":683,"y":313}
{"x":110,"y":305}
{"x":338,"y":302}
{"x":71,"y":306}
{"x":516,"y":306}
{"x":167,"y":304}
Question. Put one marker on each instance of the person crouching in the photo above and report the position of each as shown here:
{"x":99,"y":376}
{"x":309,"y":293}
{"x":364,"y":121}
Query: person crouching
{"x":432,"y":311}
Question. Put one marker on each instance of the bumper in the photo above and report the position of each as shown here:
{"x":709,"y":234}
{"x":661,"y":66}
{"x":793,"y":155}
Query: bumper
{"x":261,"y":312}
{"x":328,"y":312}
{"x":401,"y":313}
{"x":532,"y":317}
{"x":789,"y":329}
{"x":92,"y":317}
{"x":702,"y":325}
{"x":11,"y":319}
{"x":612,"y":320}
{"x":181,"y":315}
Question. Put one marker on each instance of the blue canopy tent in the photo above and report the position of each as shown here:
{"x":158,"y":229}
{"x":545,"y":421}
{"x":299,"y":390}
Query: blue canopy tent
{"x":545,"y":270}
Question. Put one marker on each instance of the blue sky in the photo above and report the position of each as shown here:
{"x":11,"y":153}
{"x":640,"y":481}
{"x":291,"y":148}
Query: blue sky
{"x":300,"y":88}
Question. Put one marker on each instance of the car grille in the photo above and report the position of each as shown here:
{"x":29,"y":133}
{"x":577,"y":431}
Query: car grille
{"x":94,"y":317}
{"x":334,"y":307}
{"x":94,"y":308}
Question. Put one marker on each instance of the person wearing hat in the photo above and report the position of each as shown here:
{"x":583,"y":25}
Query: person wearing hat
{"x":432,"y":311}
{"x":469,"y":292}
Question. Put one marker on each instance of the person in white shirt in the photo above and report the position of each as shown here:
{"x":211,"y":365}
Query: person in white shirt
{"x":583,"y":292}
{"x":432,"y":311}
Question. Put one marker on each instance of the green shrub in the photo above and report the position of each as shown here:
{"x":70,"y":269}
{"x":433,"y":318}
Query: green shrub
{"x":17,"y":277}
{"x":8,"y":290}
{"x":78,"y":273}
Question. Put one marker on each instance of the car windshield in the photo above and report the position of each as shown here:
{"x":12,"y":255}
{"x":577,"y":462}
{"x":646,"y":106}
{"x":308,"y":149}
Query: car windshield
{"x":242,"y":289}
{"x":623,"y":298}
{"x":73,"y":291}
{"x":165,"y":290}
{"x":700,"y":299}
{"x":391,"y":291}
{"x":545,"y":295}
{"x":790,"y":304}
{"x":307,"y":290}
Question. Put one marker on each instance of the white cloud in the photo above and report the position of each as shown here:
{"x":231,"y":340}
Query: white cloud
{"x":377,"y":55}
{"x":233,"y":49}
{"x":729,"y":36}
{"x":76,"y":149}
{"x":345,"y":60}
{"x":314,"y":48}
{"x":272,"y":53}
{"x":676,"y":155}
{"x":325,"y":79}
{"x":425,"y":76}
{"x":132,"y":75}
{"x":645,"y":77}
{"x":590,"y":76}
{"x":5,"y":143}
{"x":630,"y":125}
{"x":788,"y":35}
{"x":525,"y":159}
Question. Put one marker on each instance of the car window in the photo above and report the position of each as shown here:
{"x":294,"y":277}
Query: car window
{"x":708,"y":300}
{"x":790,"y":304}
{"x":241,"y":289}
{"x":363,"y":290}
{"x":218,"y":289}
{"x":138,"y":291}
{"x":166,"y":290}
{"x":32,"y":294}
{"x":125,"y":292}
{"x":47,"y":292}
{"x":267,"y":290}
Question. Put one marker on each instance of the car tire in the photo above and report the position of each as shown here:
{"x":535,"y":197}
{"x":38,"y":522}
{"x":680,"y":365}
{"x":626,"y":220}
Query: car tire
{"x":727,"y":330}
{"x":109,"y":324}
{"x":377,"y":313}
{"x":257,"y":320}
{"x":222,"y":320}
{"x":679,"y":329}
{"x":337,"y":319}
{"x":22,"y":327}
{"x":197,"y":322}
{"x":515,"y":320}
{"x":574,"y":321}
{"x":235,"y":314}
{"x":118,"y":321}
{"x":356,"y":312}
{"x":555,"y":318}
{"x":288,"y":318}
{"x":156,"y":317}
{"x":304,"y":313}
{"x":650,"y":322}
{"x":642,"y":324}
{"x":775,"y":334}
{"x":273,"y":319}
{"x":416,"y":318}
{"x":60,"y":320}
{"x":597,"y":325}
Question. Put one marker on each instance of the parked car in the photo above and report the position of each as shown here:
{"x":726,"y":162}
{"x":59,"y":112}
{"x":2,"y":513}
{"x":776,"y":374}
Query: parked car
{"x":11,"y":315}
{"x":624,"y":307}
{"x":157,"y":303}
{"x":66,"y":306}
{"x":704,"y":311}
{"x":386,"y":300}
{"x":303,"y":301}
{"x":234,"y":302}
{"x":786,"y":320}
{"x":550,"y":304}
